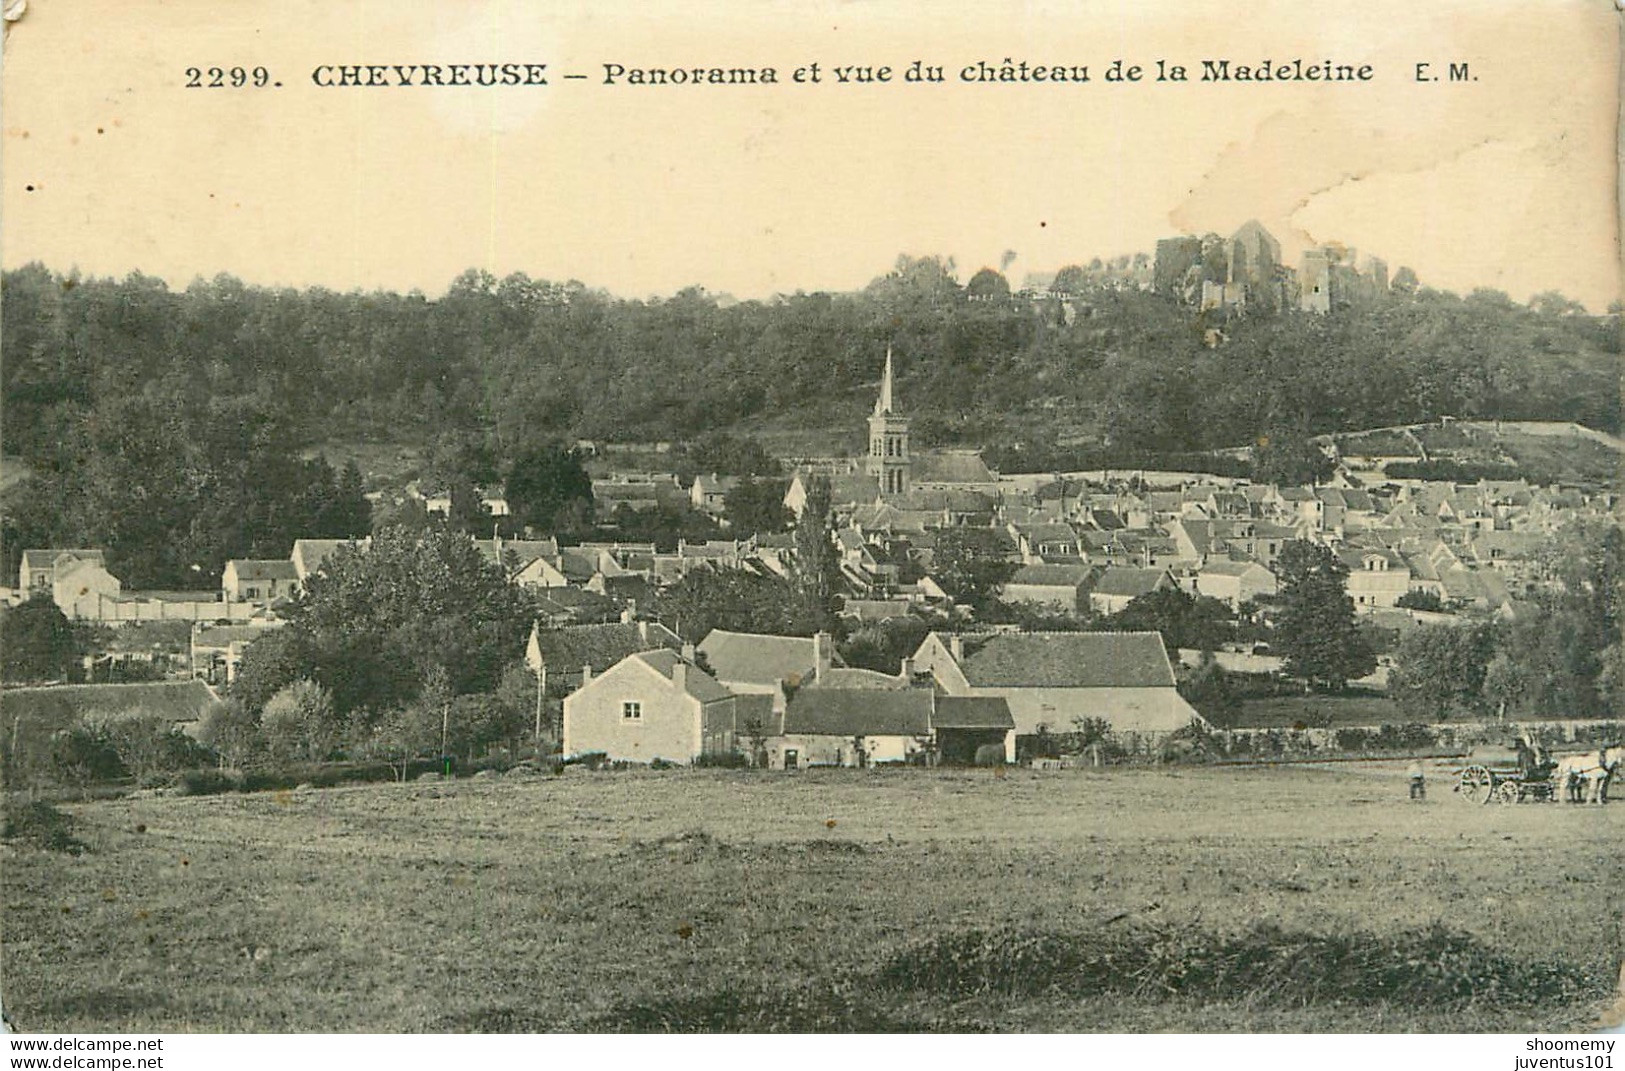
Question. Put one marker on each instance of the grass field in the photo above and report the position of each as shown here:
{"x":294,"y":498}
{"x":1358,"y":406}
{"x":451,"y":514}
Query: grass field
{"x":1117,"y":900}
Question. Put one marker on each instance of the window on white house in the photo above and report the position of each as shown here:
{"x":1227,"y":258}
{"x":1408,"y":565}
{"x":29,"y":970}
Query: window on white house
{"x":631,"y":710}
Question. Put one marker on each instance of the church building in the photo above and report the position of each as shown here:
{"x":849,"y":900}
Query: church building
{"x":888,"y":440}
{"x":934,"y":484}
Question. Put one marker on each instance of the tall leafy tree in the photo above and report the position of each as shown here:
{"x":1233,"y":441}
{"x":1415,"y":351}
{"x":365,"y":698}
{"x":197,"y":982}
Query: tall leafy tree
{"x":736,"y":600}
{"x":1209,"y":690}
{"x":817,"y":570}
{"x":1441,"y":671}
{"x":731,"y":455}
{"x":1315,"y":628}
{"x":1201,"y":623}
{"x":1285,"y":458}
{"x":548,"y":489}
{"x":756,"y":507}
{"x":374,"y":623}
{"x":972,"y":564}
{"x":37,"y":643}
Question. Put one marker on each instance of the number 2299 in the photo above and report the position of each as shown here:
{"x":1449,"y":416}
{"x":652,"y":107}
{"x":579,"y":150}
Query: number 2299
{"x":227,"y":77}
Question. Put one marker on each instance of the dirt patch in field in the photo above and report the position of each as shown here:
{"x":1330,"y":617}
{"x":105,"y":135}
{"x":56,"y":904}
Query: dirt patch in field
{"x":1265,"y":966}
{"x":1433,"y":967}
{"x":839,"y":1009}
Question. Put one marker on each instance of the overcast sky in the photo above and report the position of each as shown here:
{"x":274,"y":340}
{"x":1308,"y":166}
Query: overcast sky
{"x":112,"y":165}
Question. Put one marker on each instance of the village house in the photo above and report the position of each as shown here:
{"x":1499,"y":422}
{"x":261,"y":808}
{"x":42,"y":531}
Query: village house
{"x":513,"y":555}
{"x":309,"y":554}
{"x":709,"y":494}
{"x":853,"y":727}
{"x":259,"y":580}
{"x":1047,"y":542}
{"x":82,"y":588}
{"x":1060,"y":588}
{"x":1378,"y":577}
{"x":540,"y":573}
{"x":216,"y":651}
{"x":1056,"y":680}
{"x":1114,"y":587}
{"x":1234,"y":582}
{"x":651,"y":705}
{"x":38,"y":570}
{"x":754,"y":664}
{"x":858,"y":717}
{"x":574,"y":652}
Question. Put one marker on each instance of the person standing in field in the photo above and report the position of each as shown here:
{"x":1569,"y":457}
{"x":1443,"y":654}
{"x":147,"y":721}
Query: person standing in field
{"x":1419,"y":784}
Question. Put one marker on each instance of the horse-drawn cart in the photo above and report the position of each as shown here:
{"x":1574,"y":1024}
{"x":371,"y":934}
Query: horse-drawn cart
{"x":1506,"y":775}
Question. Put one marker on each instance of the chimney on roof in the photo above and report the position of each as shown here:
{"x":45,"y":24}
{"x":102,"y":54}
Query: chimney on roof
{"x":586,"y":675}
{"x":688,"y":652}
{"x":906,"y":673}
{"x":824,"y":653}
{"x":956,"y":647}
{"x":679,"y":675}
{"x":626,"y":618}
{"x":643,"y":627}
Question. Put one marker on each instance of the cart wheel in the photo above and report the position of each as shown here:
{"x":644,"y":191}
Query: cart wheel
{"x":1508,"y":792}
{"x":1476,"y":784}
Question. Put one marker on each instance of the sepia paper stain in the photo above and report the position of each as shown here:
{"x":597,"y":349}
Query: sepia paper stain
{"x":13,"y":13}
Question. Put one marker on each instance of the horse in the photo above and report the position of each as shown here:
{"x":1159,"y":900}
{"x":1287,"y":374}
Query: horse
{"x":1594,"y":768}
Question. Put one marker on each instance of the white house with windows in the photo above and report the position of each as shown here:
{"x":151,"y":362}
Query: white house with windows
{"x":259,"y":580}
{"x":1378,"y":577}
{"x":650,"y":705}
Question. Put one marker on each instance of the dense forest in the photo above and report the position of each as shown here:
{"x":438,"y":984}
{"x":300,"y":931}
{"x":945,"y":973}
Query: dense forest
{"x":186,"y":412}
{"x":517,"y":358}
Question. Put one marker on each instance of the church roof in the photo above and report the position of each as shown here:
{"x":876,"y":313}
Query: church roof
{"x":949,"y":466}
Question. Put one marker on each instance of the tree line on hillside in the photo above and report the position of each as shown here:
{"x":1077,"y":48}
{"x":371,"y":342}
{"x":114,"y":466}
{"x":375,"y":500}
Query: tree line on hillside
{"x":176,"y":428}
{"x":519,"y":360}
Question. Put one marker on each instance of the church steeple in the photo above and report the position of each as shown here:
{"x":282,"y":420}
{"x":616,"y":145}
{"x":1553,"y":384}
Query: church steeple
{"x":888,"y":439}
{"x":883,"y":404}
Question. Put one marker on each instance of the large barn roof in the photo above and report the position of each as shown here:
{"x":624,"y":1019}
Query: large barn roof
{"x":601,"y":646}
{"x":1067,"y":660}
{"x":40,"y":711}
{"x":855,"y":712}
{"x":752,"y":658}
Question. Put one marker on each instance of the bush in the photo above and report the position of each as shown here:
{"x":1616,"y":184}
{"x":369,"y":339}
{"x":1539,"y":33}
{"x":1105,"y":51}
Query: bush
{"x":1354,"y":739}
{"x":658,"y":763}
{"x":1420,"y":600}
{"x":724,"y":760}
{"x":39,"y":825}
{"x":207,"y":782}
{"x":1409,"y":737}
